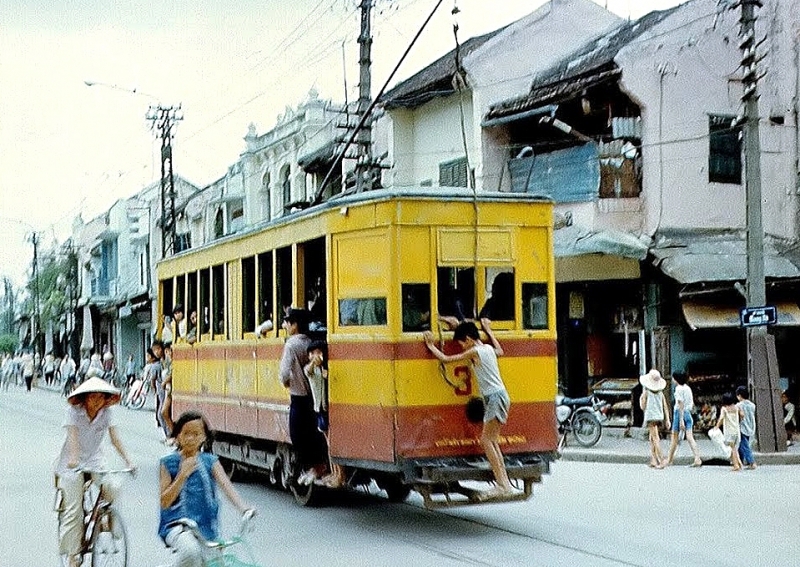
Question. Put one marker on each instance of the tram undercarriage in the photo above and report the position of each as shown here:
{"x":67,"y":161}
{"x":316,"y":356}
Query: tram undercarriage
{"x":442,"y":482}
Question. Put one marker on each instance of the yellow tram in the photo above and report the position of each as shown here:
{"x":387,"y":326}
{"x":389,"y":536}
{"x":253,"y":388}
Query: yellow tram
{"x":375,"y":270}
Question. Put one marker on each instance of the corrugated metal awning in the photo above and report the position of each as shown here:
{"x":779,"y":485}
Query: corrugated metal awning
{"x":705,"y":315}
{"x":699,"y":258}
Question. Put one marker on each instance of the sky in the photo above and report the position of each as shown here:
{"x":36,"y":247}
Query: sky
{"x":67,"y":148}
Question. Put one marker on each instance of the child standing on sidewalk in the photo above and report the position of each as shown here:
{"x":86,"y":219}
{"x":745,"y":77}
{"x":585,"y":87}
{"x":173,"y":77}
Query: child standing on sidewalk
{"x":729,"y":418}
{"x":747,"y":427}
{"x":656,"y":413}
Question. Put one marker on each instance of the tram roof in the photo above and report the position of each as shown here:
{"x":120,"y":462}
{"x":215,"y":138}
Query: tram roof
{"x":451,"y":194}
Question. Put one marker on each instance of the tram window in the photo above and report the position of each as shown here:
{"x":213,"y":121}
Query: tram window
{"x":205,"y":301}
{"x":314,"y":283}
{"x":416,"y":307}
{"x":218,"y":299}
{"x":534,"y":305}
{"x":456,"y":294}
{"x":283,"y":278}
{"x":191,"y":294}
{"x":167,"y":290}
{"x":180,"y":291}
{"x":248,"y":294}
{"x":362,"y":312}
{"x":499,"y":305}
{"x":265,"y":288}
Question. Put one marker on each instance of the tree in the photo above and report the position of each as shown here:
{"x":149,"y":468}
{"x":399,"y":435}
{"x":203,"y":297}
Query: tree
{"x":8,"y":343}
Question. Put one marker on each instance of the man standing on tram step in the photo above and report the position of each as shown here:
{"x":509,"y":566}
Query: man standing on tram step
{"x":483,"y":360}
{"x":306,"y":437}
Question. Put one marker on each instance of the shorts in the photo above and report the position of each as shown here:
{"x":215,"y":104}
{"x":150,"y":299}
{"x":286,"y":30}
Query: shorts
{"x":497,"y":405}
{"x":322,"y":421}
{"x":687,"y":420}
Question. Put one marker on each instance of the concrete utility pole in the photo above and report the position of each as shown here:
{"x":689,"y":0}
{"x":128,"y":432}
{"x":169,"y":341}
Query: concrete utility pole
{"x":163,"y":119}
{"x":36,"y":318}
{"x":364,"y":166}
{"x":762,"y":368}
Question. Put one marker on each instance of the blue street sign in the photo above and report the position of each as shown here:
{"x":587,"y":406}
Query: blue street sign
{"x":758,"y":316}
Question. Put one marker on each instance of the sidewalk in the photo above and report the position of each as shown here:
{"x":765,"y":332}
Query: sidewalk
{"x":614,"y":447}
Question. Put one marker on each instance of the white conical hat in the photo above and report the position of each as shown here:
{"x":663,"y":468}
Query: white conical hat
{"x":653,"y":381}
{"x":97,"y":385}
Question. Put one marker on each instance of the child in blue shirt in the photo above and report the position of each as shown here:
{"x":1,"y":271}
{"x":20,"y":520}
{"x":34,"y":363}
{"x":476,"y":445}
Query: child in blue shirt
{"x":188,"y":480}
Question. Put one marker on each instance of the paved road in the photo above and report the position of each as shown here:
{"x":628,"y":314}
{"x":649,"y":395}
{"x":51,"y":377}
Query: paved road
{"x":584,"y":514}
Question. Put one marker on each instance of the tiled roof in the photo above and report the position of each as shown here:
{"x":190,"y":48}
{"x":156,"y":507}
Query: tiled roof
{"x":434,"y":80}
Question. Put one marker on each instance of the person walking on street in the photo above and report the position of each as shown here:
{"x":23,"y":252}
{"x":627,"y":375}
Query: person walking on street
{"x":28,"y":368}
{"x":747,"y":427}
{"x":682,"y":421}
{"x":729,"y":419}
{"x":48,"y":368}
{"x":789,"y":419}
{"x":656,"y":413}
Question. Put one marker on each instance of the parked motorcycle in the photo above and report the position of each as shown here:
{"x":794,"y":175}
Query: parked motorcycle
{"x":582,"y":417}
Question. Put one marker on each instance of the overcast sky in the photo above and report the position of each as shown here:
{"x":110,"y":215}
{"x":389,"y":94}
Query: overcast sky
{"x":66,"y":148}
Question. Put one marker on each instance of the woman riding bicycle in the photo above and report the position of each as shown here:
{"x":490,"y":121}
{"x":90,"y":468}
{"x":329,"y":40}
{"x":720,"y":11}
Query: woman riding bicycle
{"x":188,"y":480}
{"x":88,"y":418}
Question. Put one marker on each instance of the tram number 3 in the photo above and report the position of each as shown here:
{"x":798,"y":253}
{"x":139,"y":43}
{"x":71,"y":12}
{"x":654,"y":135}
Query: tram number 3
{"x":464,"y":376}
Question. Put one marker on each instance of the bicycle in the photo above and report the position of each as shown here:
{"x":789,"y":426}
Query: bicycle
{"x":105,"y":539}
{"x":217,"y":553}
{"x":136,"y":395}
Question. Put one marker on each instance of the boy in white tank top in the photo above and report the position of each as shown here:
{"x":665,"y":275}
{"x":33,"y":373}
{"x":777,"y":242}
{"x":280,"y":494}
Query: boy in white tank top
{"x":483,"y":360}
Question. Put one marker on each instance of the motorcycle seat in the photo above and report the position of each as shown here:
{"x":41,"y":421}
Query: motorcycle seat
{"x":577,"y":402}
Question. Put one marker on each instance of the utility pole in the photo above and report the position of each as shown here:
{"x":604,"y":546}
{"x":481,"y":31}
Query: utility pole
{"x":364,"y":166}
{"x":762,"y":367}
{"x":163,"y":119}
{"x":35,"y":324}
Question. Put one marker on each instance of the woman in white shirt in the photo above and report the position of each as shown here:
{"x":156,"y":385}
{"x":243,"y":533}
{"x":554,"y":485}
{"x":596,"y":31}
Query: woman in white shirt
{"x":682,"y":421}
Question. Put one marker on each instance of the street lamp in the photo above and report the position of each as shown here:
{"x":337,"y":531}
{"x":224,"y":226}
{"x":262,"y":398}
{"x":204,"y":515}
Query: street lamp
{"x":134,"y":90}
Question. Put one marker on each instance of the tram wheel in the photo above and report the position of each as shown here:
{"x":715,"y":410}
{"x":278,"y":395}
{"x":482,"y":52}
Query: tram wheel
{"x":395,"y":490}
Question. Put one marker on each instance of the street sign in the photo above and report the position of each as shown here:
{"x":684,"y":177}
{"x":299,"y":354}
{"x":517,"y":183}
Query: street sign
{"x":758,"y":316}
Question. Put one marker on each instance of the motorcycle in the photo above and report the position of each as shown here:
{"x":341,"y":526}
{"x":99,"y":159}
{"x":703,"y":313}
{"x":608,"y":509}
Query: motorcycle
{"x":583,"y":417}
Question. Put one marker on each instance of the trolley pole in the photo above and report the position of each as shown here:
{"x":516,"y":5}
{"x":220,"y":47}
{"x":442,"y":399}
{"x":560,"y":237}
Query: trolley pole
{"x":762,"y":367}
{"x":163,"y":119}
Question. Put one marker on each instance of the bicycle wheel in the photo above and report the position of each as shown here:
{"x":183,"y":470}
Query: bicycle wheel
{"x":109,"y":543}
{"x":587,"y":428}
{"x":138,"y":401}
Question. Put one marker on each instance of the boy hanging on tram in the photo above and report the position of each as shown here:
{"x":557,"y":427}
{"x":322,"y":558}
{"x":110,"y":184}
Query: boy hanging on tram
{"x":483,"y":359}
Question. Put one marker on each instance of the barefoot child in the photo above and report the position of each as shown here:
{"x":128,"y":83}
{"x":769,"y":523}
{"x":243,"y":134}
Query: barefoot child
{"x":483,"y":359}
{"x":656,"y":413}
{"x":729,"y":417}
{"x":682,"y":421}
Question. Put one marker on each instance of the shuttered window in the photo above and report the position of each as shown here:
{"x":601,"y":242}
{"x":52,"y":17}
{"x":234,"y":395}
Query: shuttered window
{"x":453,"y":173}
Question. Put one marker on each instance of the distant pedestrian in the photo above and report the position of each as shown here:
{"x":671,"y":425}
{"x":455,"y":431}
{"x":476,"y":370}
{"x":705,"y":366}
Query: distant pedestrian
{"x":789,"y":418}
{"x":49,"y":368}
{"x":729,"y":419}
{"x":28,"y":366}
{"x":747,"y":427}
{"x":682,"y":421}
{"x":656,"y":413}
{"x":130,"y":371}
